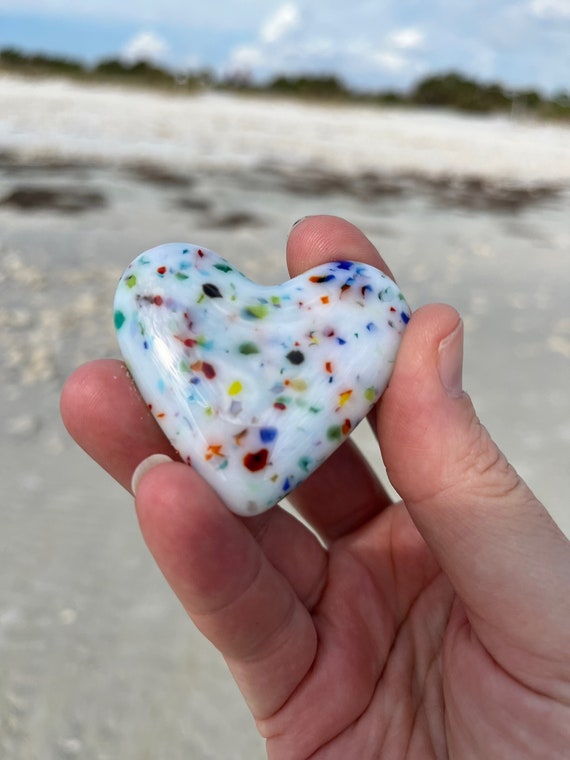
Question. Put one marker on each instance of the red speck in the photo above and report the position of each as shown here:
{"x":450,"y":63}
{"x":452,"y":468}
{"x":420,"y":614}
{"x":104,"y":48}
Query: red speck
{"x":189,"y":342}
{"x":200,"y":253}
{"x":208,"y":370}
{"x":157,"y":301}
{"x":346,"y":427}
{"x":280,"y":405}
{"x":255,"y":461}
{"x":392,"y":308}
{"x":161,"y":270}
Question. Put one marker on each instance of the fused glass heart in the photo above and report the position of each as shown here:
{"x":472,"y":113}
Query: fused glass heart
{"x":255,"y":385}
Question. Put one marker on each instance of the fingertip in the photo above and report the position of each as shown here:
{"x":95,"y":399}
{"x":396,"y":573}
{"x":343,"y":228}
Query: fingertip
{"x":83,"y":391}
{"x":104,"y":413}
{"x":315,"y":240}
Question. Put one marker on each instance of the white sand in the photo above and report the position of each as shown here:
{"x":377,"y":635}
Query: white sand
{"x":65,"y":119}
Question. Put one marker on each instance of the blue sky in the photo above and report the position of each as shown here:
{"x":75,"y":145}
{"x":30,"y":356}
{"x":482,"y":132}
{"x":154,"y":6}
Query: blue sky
{"x":372,"y":44}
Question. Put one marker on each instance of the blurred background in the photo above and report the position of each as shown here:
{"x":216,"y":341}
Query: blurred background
{"x":442,"y":129}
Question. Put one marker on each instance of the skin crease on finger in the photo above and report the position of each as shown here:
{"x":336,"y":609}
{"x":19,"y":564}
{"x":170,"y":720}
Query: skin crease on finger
{"x":370,"y":653}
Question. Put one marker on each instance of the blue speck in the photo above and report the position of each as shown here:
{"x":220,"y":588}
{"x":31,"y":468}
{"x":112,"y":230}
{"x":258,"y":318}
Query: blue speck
{"x":340,"y":341}
{"x":286,"y":485}
{"x":405,"y":317}
{"x":268,"y":435}
{"x":371,"y":327}
{"x":145,"y":344}
{"x":344,"y":265}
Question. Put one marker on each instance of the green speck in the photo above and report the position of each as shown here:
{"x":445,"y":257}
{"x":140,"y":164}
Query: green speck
{"x":315,"y":409}
{"x":131,"y":281}
{"x":181,"y":276}
{"x":248,"y":348}
{"x":334,"y":433}
{"x":120,"y":319}
{"x":223,"y":267}
{"x":275,"y":300}
{"x":304,"y":464}
{"x":203,"y":342}
{"x":370,"y":394}
{"x":257,"y":311}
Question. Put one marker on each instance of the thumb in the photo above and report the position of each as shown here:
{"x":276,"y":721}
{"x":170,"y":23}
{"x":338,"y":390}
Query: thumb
{"x":504,"y":555}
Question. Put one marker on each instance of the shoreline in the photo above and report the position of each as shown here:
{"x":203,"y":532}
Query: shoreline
{"x":62,"y":120}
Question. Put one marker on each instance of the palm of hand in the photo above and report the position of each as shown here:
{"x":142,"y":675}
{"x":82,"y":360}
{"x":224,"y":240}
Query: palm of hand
{"x":399,"y":670}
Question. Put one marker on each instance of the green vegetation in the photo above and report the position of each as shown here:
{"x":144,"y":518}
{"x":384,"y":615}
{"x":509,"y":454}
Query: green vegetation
{"x":447,"y":90}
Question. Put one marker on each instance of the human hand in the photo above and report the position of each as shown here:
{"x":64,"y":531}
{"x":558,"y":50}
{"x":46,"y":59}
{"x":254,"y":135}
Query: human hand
{"x":438,"y":626}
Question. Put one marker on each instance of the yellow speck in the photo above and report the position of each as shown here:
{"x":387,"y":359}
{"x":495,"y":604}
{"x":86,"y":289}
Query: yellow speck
{"x":235,"y":388}
{"x":298,"y":385}
{"x":344,"y":396}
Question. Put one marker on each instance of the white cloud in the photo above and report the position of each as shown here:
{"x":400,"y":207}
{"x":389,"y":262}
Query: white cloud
{"x":272,"y":46}
{"x":145,"y":46}
{"x":283,"y":21}
{"x":550,"y":8}
{"x":245,"y":58}
{"x":407,"y":39}
{"x":389,"y":61}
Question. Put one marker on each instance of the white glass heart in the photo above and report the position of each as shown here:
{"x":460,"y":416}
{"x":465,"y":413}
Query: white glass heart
{"x":255,"y":385}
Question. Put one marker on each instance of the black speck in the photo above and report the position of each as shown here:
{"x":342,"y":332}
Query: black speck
{"x":296,"y":357}
{"x":211,"y":290}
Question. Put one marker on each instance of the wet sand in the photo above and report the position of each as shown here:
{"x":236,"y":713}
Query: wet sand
{"x":96,"y":658}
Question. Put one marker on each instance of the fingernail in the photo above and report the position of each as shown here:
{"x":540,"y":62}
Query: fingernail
{"x":147,"y":464}
{"x":302,"y":219}
{"x":450,"y":361}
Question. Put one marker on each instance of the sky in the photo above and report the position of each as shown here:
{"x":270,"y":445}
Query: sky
{"x":369,"y":44}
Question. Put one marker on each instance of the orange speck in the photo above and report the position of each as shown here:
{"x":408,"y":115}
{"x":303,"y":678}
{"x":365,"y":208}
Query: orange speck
{"x":160,"y":415}
{"x":325,"y":299}
{"x":328,"y":367}
{"x":344,"y":397}
{"x":214,"y":450}
{"x":239,"y":436}
{"x":346,"y":427}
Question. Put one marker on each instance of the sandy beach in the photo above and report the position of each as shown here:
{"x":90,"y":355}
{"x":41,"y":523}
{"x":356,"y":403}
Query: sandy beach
{"x":97,"y":661}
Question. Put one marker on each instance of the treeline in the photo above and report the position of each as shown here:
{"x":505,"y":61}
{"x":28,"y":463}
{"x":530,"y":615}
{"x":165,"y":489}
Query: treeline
{"x":448,"y":90}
